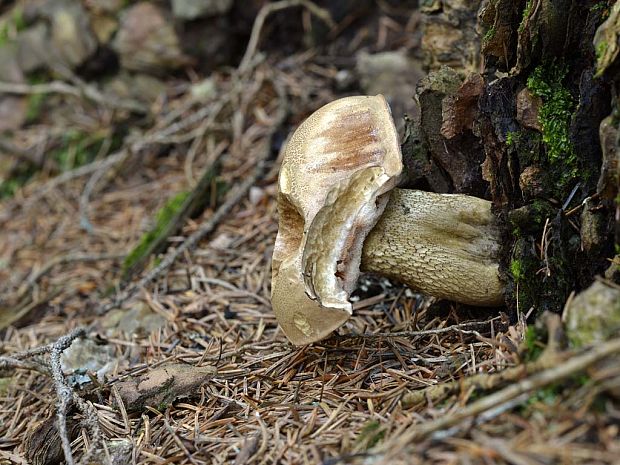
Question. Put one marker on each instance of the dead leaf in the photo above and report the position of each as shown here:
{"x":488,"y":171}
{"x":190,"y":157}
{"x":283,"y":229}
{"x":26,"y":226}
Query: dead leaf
{"x":43,"y":446}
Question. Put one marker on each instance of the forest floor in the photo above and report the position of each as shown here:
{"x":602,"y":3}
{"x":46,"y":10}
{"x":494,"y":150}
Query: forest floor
{"x":393,"y":386}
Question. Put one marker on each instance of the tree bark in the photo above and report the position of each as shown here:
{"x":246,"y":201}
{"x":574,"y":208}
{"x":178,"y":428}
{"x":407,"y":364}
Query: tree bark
{"x":523,"y":132}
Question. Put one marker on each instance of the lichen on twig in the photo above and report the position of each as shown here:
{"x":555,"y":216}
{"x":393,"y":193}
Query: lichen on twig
{"x":66,"y":396}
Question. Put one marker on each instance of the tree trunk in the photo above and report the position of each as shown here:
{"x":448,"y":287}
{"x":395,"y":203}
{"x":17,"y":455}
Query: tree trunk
{"x":523,"y":132}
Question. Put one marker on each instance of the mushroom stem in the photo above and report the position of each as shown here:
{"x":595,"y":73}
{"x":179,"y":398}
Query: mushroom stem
{"x":444,"y":245}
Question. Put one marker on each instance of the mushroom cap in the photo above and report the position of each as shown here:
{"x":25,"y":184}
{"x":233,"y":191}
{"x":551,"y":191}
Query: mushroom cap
{"x":337,"y":171}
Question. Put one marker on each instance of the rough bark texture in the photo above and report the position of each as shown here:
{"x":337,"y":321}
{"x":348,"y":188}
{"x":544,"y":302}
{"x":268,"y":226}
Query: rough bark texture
{"x":524,"y":134}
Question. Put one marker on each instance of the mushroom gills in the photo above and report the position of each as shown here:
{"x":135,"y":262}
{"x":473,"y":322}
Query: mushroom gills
{"x":444,"y":245}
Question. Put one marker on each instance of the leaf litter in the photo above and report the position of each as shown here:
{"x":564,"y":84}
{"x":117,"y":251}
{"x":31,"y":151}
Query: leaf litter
{"x":213,"y":379}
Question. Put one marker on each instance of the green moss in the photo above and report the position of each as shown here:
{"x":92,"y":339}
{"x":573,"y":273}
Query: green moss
{"x":77,"y":148}
{"x":526,"y":14}
{"x":109,"y":291}
{"x":533,"y":343}
{"x":370,"y":435}
{"x":34,"y":106}
{"x":526,"y":144}
{"x":582,"y":379}
{"x":600,"y":6}
{"x":541,"y":210}
{"x":5,"y":384}
{"x":530,"y":218}
{"x":544,"y":282}
{"x":19,"y":176}
{"x":527,"y":288}
{"x":489,"y":34}
{"x":512,"y":138}
{"x":36,"y":100}
{"x":221,"y":189}
{"x":11,"y":25}
{"x":600,"y":50}
{"x":546,"y":82}
{"x":531,"y":286}
{"x":556,"y":392}
{"x":516,"y":270}
{"x":548,"y":395}
{"x":162,"y":406}
{"x":162,"y":220}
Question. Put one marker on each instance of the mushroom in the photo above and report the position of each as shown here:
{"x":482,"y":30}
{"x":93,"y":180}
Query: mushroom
{"x":340,"y":211}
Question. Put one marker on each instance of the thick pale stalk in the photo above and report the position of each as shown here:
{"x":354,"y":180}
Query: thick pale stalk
{"x":442,"y":245}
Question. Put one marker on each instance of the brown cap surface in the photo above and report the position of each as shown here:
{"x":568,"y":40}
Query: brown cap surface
{"x":337,"y":169}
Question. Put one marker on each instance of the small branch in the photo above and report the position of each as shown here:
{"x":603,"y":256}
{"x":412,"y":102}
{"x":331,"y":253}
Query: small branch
{"x":270,"y":8}
{"x":189,"y":243}
{"x":53,"y":87}
{"x":84,"y":91}
{"x":463,"y":328}
{"x":7,"y":363}
{"x":63,"y":391}
{"x":70,"y":258}
{"x":116,"y":158}
{"x":487,"y":381}
{"x":557,"y":373}
{"x":67,"y":397}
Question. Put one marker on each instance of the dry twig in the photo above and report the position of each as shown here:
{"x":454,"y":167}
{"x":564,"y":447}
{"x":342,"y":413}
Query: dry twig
{"x":60,"y":87}
{"x":463,"y":328}
{"x":189,"y":243}
{"x":66,"y":395}
{"x":54,"y":183}
{"x":34,"y":276}
{"x":270,"y":8}
{"x":557,"y":372}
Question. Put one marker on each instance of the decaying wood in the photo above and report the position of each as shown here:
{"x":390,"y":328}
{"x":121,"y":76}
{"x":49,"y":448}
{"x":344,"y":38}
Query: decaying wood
{"x":158,"y":388}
